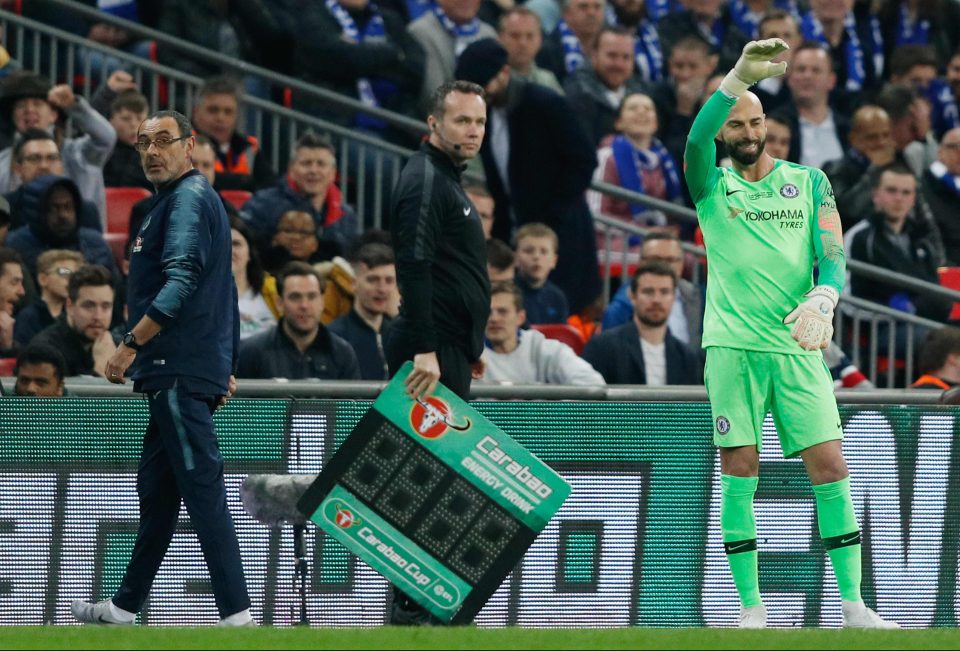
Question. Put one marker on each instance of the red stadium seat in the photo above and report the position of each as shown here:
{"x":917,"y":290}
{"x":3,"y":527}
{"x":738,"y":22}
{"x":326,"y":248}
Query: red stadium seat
{"x":236,"y":197}
{"x":120,"y":202}
{"x":562,"y":332}
{"x":116,"y":242}
{"x":6,"y":366}
{"x":950,"y":277}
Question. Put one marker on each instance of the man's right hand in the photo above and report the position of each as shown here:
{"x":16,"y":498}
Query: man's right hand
{"x":755,"y":65}
{"x":424,"y":377}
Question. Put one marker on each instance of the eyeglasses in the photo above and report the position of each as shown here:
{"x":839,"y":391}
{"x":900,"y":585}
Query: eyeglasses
{"x":33,"y":159}
{"x":162,"y":143}
{"x":951,"y":145}
{"x":64,"y":272}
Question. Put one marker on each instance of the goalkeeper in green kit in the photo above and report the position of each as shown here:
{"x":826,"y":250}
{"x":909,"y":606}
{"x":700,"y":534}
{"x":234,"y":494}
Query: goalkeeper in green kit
{"x":765,"y":223}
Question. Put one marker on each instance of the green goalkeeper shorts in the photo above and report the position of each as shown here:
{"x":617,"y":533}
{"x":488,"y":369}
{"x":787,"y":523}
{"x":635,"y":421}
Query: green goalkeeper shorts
{"x":743,"y":385}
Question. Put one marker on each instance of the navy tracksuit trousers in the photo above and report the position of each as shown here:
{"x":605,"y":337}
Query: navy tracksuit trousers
{"x":181,"y":461}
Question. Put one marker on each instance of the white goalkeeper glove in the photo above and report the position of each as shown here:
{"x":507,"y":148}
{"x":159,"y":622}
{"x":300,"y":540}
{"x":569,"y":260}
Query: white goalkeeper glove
{"x":813,"y":319}
{"x":754,"y":65}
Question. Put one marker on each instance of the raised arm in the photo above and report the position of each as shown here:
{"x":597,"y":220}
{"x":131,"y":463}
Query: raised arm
{"x":754,"y":65}
{"x":700,"y":155}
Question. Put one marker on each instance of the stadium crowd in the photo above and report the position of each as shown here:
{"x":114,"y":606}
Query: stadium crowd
{"x":577,"y":90}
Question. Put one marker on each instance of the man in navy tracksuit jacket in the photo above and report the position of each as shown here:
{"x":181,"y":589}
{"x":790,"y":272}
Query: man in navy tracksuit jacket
{"x":182,"y":351}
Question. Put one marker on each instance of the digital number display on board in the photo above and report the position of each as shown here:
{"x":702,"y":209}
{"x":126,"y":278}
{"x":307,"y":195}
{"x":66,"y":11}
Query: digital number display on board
{"x":434,"y":497}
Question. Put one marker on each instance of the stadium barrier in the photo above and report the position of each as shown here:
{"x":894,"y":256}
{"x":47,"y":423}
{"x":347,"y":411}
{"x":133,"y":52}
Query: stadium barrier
{"x":637,"y":543}
{"x":881,"y":342}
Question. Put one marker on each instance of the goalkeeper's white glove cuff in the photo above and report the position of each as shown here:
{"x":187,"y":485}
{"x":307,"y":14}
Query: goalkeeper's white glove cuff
{"x":826,"y":291}
{"x":733,"y":86}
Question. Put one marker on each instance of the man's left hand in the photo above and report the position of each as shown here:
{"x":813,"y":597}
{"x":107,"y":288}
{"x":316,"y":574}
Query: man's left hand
{"x":118,"y":364}
{"x":813,"y":319}
{"x":231,"y":389}
{"x":478,"y":368}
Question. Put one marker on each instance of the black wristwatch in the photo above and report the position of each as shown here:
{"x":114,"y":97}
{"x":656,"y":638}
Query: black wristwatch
{"x":130,"y":341}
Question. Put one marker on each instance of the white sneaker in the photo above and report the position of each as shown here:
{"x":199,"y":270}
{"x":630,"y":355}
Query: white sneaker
{"x":102,"y":612}
{"x":242,"y":618}
{"x":753,"y":617}
{"x":857,"y":615}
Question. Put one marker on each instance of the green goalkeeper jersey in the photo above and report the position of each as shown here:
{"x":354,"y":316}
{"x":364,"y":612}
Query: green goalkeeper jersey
{"x":762,"y":238}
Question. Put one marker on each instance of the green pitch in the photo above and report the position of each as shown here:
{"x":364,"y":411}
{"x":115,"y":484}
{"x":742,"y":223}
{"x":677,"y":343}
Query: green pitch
{"x":73,"y":637}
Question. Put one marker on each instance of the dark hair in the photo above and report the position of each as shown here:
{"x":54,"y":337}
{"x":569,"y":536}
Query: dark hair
{"x":780,"y":119}
{"x":42,"y":354}
{"x":437,"y":106}
{"x":254,"y":270}
{"x":906,"y":57}
{"x":815,"y":47}
{"x":896,"y":100}
{"x":517,"y":11}
{"x":889,"y":11}
{"x":895,"y":167}
{"x":129,"y":100}
{"x":89,"y":275}
{"x":692,"y":42}
{"x":313,"y":140}
{"x":937,"y":346}
{"x":205,"y":141}
{"x":219,"y":85}
{"x":375,"y":255}
{"x":775,"y":14}
{"x":31,"y":135}
{"x":183,"y":122}
{"x":616,"y":30}
{"x":653,"y":267}
{"x":499,"y":254}
{"x":9,"y":256}
{"x":508,"y":287}
{"x":628,"y":95}
{"x":297,"y":268}
{"x":660,"y":235}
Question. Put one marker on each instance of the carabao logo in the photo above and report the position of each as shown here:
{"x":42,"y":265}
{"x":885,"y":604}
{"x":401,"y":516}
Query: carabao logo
{"x":345,"y":518}
{"x":431,"y":417}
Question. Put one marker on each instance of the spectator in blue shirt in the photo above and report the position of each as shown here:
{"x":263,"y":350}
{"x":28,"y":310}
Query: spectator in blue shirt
{"x":543,"y":301}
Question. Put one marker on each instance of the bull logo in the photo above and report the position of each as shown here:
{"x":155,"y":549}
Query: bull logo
{"x":345,"y":518}
{"x":430,"y":418}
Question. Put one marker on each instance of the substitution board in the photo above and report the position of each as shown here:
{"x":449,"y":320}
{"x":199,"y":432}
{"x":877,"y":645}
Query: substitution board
{"x":436,"y":498}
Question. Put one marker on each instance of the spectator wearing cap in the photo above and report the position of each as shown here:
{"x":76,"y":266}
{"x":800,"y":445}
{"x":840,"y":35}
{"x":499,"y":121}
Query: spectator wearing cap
{"x":40,"y":371}
{"x":37,"y":154}
{"x":538,"y":164}
{"x":30,"y":102}
{"x":49,"y":210}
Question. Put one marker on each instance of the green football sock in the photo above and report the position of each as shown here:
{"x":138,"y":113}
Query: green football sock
{"x":841,"y":535}
{"x":739,"y":529}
